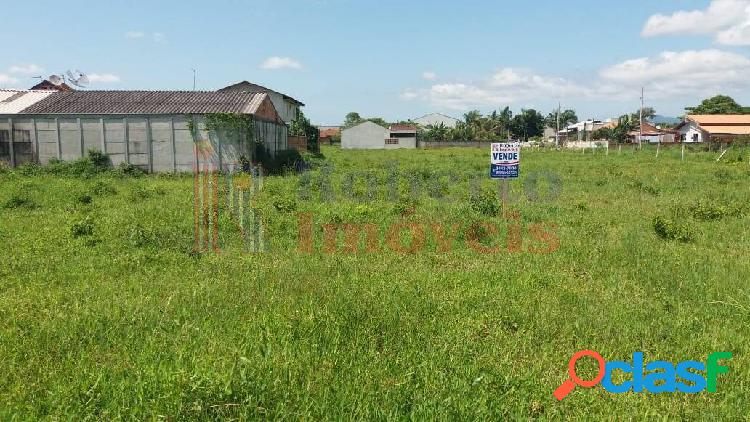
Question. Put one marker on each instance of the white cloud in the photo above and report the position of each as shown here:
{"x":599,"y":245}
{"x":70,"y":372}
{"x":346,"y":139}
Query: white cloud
{"x":103,"y":78}
{"x":276,"y":62}
{"x":736,"y":35}
{"x":135,"y":34}
{"x":677,"y":73}
{"x":506,"y":86}
{"x":727,"y":20}
{"x":157,"y":37}
{"x":429,"y":76}
{"x":26,"y":69}
{"x":409,"y":95}
{"x":668,"y":75}
{"x":7,"y":80}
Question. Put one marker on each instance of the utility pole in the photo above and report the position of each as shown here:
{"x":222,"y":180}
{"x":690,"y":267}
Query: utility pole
{"x":640,"y":125}
{"x":195,"y":72}
{"x":557,"y":132}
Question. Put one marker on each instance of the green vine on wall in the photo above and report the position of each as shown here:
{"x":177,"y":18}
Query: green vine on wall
{"x":240,"y":127}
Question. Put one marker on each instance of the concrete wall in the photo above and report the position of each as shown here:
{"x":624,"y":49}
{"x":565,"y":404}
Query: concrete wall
{"x":403,"y":143}
{"x":153,"y":143}
{"x":367,"y":135}
{"x":455,"y":144}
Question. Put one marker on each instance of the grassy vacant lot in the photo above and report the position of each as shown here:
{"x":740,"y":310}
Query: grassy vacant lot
{"x":106,"y":313}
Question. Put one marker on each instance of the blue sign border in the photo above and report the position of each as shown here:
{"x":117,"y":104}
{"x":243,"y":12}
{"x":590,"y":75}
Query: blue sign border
{"x":499,"y":171}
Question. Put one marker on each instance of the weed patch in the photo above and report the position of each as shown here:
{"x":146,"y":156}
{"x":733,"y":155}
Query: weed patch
{"x":20,"y":201}
{"x":82,"y":228}
{"x":669,"y":229}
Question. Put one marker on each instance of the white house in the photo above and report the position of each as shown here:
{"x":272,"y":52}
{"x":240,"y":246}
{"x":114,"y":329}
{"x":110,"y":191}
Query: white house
{"x":369,"y":135}
{"x":716,"y":127}
{"x":691,"y":132}
{"x":286,"y":106}
{"x":435,"y":119}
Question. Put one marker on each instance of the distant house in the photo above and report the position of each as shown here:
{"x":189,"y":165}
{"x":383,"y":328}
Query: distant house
{"x":369,"y":135}
{"x":713,"y":128}
{"x":435,"y":119}
{"x":582,"y":131}
{"x":402,"y":136}
{"x":653,"y":134}
{"x":327,"y":133}
{"x":286,"y":106}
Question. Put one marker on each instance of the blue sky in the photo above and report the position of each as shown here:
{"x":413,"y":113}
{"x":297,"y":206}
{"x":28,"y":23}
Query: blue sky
{"x":397,"y":59}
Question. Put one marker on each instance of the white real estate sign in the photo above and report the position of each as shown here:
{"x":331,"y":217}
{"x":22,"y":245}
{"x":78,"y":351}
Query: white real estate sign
{"x":505,"y":160}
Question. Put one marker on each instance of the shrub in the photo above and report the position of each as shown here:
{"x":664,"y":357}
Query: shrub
{"x":707,"y":211}
{"x":139,"y":192}
{"x":18,"y":200}
{"x":30,"y":169}
{"x":4,"y":168}
{"x":284,"y":160}
{"x":83,"y":198}
{"x":99,"y":160}
{"x":141,"y":237}
{"x":485,"y":202}
{"x":669,"y":229}
{"x":405,"y":206}
{"x":285,"y":204}
{"x":129,"y":170}
{"x":643,"y":187}
{"x":81,"y":228}
{"x":103,"y":189}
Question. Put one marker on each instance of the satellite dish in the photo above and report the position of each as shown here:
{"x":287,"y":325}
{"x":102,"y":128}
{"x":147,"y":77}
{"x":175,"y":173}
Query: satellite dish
{"x":56,"y":80}
{"x":78,"y":78}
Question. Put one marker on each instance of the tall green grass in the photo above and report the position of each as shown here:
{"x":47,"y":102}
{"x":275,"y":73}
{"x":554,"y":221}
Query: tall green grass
{"x":106,"y":312}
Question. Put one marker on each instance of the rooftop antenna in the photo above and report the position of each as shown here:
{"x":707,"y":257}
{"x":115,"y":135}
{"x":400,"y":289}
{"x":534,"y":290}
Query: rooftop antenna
{"x":195,"y":72}
{"x":78,"y":78}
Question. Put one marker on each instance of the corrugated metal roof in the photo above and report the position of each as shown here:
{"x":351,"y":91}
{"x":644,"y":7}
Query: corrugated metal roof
{"x":147,"y":102}
{"x":251,"y":87}
{"x":13,"y":101}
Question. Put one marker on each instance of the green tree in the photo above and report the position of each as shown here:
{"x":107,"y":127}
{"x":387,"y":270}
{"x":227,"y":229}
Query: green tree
{"x":528,"y":124}
{"x":301,"y":126}
{"x":720,"y":104}
{"x":437,"y":133}
{"x":619,"y":133}
{"x":472,"y":118}
{"x":379,"y":121}
{"x":567,"y":117}
{"x":648,"y":114}
{"x":352,"y":119}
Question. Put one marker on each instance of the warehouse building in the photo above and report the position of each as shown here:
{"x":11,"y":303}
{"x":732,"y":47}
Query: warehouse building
{"x":149,"y":129}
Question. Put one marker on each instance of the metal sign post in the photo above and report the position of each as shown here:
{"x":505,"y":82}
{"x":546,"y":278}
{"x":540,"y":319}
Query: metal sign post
{"x":505,"y":163}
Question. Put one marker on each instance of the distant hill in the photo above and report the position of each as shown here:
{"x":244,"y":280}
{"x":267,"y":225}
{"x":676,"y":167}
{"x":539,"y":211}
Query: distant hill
{"x":664,"y":120}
